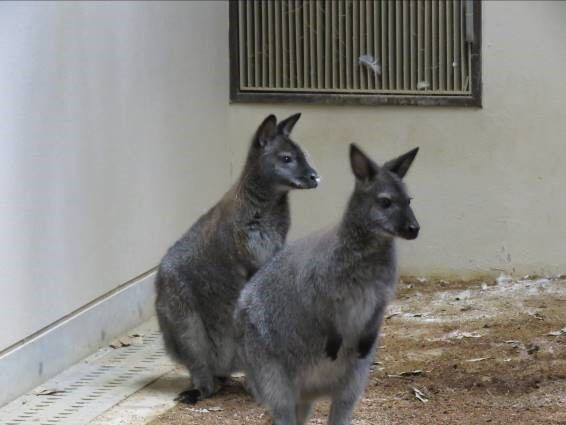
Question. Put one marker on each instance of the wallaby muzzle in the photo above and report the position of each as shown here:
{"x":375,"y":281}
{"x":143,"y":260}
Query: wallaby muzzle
{"x":309,"y":181}
{"x":411,"y":228}
{"x":411,"y":231}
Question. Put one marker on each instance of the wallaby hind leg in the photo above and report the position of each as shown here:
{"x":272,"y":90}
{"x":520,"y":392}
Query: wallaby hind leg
{"x":274,"y":390}
{"x":344,"y":401}
{"x":341,"y":411}
{"x":284,"y":415}
{"x":195,"y":350}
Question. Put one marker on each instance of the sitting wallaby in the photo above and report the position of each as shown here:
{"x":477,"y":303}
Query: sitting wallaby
{"x":309,"y":320}
{"x":201,"y":276}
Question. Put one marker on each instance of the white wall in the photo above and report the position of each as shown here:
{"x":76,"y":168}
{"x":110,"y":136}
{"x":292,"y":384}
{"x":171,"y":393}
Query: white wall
{"x":488,"y":184}
{"x":116,"y":133}
{"x":112,"y":141}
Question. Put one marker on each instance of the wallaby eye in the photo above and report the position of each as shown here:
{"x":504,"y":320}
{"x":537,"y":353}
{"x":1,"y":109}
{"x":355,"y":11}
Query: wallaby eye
{"x":384,"y":202}
{"x":286,"y":158}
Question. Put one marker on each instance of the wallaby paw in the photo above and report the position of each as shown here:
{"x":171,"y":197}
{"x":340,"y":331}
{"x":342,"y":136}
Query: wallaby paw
{"x":189,"y":396}
{"x":333,"y":344}
{"x":365,"y":345}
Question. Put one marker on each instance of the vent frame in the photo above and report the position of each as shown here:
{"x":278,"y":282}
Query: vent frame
{"x":341,"y":97}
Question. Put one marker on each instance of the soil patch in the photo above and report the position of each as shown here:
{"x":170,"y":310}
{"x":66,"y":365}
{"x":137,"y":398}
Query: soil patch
{"x":450,"y":353}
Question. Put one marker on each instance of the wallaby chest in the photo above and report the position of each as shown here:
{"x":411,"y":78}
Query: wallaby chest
{"x":356,"y":309}
{"x":356,"y":304}
{"x":264,"y":234}
{"x":361,"y":282}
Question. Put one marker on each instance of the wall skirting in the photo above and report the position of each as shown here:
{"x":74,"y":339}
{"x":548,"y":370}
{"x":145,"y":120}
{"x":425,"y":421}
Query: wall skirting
{"x":42,"y":355}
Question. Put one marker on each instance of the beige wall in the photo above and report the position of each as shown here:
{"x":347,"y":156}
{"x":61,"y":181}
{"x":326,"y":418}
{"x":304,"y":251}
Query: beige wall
{"x":112,"y":141}
{"x":488,"y":184}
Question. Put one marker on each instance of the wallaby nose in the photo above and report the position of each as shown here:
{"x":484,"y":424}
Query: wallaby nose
{"x":413,"y":230}
{"x":315,"y":179}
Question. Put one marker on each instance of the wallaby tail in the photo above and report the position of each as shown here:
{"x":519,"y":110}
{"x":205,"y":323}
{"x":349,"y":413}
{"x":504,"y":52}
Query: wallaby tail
{"x":169,"y":338}
{"x":166,"y":329}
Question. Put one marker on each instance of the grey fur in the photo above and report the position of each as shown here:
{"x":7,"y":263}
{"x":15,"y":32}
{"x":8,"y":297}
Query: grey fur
{"x":200,"y":278}
{"x":308,"y":321}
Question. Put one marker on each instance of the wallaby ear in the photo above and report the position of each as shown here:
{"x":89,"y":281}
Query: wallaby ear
{"x":363,"y":168}
{"x":266,"y":131}
{"x":286,"y":126}
{"x":401,"y":164}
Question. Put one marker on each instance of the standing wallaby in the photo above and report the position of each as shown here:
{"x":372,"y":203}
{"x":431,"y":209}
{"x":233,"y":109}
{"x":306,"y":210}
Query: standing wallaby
{"x":308,"y":321}
{"x":201,"y":276}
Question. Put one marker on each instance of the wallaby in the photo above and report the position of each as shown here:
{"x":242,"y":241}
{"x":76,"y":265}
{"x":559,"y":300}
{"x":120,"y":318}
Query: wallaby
{"x":309,"y":320}
{"x":200,"y":278}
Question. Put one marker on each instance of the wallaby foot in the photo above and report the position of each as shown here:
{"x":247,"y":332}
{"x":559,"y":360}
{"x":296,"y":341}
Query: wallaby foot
{"x":189,"y":396}
{"x":200,"y":392}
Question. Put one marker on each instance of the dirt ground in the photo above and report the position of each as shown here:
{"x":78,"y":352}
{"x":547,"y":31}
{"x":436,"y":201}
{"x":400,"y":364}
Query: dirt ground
{"x":450,"y":353}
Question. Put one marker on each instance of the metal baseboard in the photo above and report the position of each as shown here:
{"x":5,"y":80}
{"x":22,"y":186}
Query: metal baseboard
{"x":86,"y":390}
{"x":62,"y":344}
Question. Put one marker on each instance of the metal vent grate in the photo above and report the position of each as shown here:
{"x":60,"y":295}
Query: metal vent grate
{"x":380,"y":47}
{"x":95,"y":385}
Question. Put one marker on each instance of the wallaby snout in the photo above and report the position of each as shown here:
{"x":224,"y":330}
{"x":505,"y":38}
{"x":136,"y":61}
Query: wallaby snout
{"x":411,"y":231}
{"x":410,"y":228}
{"x":315,"y":179}
{"x":310,"y":179}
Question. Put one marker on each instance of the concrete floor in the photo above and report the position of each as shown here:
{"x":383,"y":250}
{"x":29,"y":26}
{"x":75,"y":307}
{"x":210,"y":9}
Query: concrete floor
{"x":128,"y":382}
{"x":147,"y":403}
